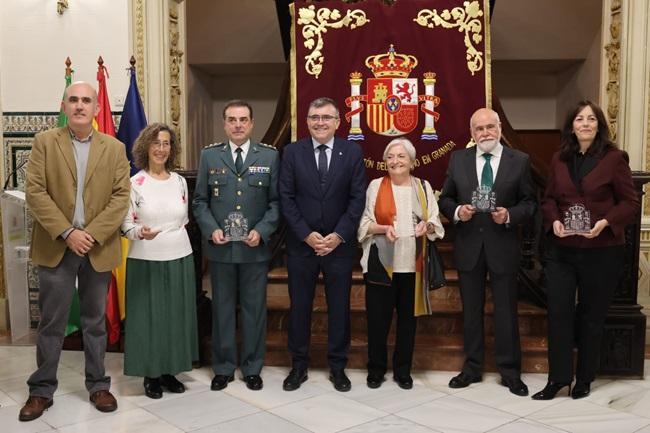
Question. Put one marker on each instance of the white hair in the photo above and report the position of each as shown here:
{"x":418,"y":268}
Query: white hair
{"x":406,"y":143}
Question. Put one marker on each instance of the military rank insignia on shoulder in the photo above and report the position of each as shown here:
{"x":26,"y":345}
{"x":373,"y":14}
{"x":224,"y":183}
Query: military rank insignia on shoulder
{"x":213,"y":145}
{"x":268,"y":146}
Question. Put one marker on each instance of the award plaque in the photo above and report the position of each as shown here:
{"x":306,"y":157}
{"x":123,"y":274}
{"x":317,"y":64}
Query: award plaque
{"x":484,"y":199}
{"x":236,"y":227}
{"x":577,"y":219}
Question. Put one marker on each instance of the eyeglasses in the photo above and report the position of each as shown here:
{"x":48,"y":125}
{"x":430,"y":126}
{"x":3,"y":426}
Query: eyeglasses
{"x":323,"y":118}
{"x":161,"y":145}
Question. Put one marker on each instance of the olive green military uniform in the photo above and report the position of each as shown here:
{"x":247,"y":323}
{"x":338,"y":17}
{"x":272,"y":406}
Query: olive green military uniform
{"x":235,"y":267}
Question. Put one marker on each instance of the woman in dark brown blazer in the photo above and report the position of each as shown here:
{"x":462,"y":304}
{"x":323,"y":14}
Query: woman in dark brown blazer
{"x":588,"y":170}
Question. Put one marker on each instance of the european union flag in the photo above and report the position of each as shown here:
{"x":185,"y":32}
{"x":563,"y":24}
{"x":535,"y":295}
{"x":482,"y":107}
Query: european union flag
{"x":133,"y":118}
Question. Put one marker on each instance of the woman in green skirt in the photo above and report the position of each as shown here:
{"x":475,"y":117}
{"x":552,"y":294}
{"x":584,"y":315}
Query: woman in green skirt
{"x":161,"y":337}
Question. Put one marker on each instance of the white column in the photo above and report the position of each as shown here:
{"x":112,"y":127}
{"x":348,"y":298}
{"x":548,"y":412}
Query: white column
{"x":3,"y":299}
{"x":635,"y":67}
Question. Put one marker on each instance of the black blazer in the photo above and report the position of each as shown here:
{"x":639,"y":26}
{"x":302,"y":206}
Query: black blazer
{"x":515,"y":192}
{"x":337,"y":207}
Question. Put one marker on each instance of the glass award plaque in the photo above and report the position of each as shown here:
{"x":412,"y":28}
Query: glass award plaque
{"x":236,"y":227}
{"x":484,"y":199}
{"x":577,"y":219}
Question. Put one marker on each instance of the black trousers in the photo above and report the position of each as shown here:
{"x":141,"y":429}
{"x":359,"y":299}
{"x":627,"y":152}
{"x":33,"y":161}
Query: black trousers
{"x":595,"y":273}
{"x":303,"y":275}
{"x":380,"y":303}
{"x":507,"y":350}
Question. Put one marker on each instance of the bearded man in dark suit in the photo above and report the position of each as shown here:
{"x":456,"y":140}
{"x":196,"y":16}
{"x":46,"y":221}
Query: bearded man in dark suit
{"x":487,"y":243}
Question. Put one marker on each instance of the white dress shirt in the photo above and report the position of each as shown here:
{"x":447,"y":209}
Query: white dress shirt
{"x":244,"y":150}
{"x":480,"y":163}
{"x":328,"y":151}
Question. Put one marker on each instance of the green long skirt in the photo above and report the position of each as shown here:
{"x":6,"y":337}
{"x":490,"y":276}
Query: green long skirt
{"x":160,"y":328}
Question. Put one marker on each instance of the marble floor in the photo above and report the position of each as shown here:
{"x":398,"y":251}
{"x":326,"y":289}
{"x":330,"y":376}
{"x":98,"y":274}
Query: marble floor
{"x":613,"y":407}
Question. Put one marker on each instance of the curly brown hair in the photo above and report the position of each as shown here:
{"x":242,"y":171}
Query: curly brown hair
{"x":147,"y":136}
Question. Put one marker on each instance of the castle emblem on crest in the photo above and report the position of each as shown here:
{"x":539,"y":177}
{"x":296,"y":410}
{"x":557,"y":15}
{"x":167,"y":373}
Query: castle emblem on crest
{"x":392,"y":98}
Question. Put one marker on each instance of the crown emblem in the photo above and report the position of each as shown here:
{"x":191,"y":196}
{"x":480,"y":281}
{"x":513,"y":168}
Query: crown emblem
{"x":391,"y":64}
{"x":577,"y":209}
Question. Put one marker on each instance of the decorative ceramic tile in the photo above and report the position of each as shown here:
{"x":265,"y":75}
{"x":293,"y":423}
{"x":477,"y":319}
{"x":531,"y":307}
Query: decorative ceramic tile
{"x":28,"y":123}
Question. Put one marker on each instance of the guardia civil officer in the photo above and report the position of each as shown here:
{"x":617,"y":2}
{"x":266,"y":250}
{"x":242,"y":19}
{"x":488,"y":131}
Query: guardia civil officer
{"x":236,"y":205}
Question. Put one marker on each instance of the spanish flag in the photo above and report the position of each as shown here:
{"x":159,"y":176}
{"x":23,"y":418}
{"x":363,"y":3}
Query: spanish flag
{"x":104,"y":123}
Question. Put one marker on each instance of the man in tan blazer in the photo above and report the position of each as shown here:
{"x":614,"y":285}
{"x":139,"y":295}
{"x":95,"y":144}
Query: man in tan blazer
{"x":77,"y":189}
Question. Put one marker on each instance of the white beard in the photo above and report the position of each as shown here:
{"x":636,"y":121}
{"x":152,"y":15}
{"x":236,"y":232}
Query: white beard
{"x":487,"y":146}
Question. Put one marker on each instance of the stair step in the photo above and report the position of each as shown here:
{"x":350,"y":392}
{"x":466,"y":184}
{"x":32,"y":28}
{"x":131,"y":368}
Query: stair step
{"x":280,"y":275}
{"x":432,"y":352}
{"x":439,"y":341}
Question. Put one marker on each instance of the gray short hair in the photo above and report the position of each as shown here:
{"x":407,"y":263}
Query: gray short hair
{"x":408,"y":146}
{"x":322,"y":102}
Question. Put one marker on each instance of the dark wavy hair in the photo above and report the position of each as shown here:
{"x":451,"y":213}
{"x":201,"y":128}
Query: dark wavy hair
{"x":602,"y":143}
{"x":147,"y":136}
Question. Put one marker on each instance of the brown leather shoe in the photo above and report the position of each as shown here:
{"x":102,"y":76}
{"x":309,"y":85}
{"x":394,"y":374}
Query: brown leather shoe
{"x":34,"y":407}
{"x":103,"y":401}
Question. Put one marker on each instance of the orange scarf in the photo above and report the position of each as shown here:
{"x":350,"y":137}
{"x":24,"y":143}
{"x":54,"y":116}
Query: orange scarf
{"x":385,"y":212}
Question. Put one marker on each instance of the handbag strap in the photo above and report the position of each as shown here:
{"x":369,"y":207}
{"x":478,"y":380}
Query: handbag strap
{"x":426,"y":198}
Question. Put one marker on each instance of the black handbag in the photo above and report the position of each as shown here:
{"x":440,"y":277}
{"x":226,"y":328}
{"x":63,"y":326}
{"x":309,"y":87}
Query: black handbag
{"x":435,"y":269}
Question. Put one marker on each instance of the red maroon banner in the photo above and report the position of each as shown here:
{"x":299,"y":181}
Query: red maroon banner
{"x":417,"y":69}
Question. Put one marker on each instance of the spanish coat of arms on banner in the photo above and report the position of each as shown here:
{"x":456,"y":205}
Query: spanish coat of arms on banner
{"x":416,"y":69}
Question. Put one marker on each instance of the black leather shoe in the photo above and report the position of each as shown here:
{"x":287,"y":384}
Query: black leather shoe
{"x":172,"y":384}
{"x":152,"y":388}
{"x":581,"y":390}
{"x":463,"y":380}
{"x":404,"y":382}
{"x":220,"y":381}
{"x":295,"y":378}
{"x":515,"y":385}
{"x":340,"y":381}
{"x":254,"y":382}
{"x":550,"y":391}
{"x":374,"y":380}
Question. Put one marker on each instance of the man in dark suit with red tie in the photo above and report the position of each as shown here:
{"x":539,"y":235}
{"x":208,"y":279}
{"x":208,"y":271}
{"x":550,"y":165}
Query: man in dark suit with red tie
{"x":322,"y":195}
{"x":487,"y":243}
